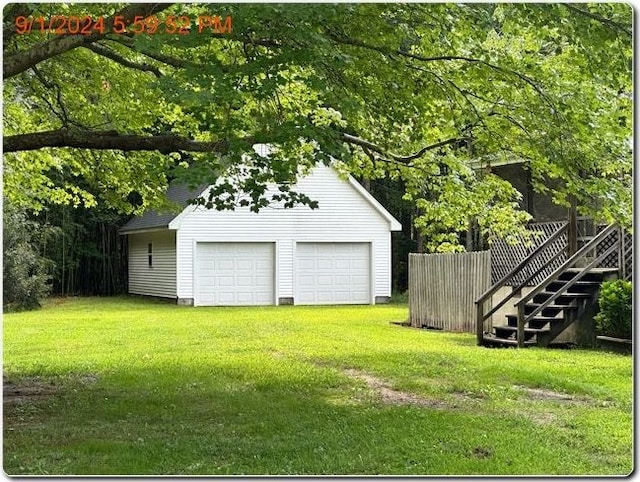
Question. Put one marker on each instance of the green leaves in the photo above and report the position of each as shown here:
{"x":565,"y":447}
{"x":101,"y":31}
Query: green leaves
{"x":427,"y":89}
{"x":615,"y":315}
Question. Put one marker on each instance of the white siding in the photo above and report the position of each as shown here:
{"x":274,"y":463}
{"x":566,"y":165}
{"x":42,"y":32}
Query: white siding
{"x":160,"y":278}
{"x":344,"y":215}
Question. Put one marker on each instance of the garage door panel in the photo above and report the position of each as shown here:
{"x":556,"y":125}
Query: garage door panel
{"x":324,"y":263}
{"x":342,"y":280}
{"x":333,"y":273}
{"x":361,"y":264}
{"x":221,"y":264}
{"x":305,"y":280}
{"x":235,"y":274}
{"x":264,"y":264}
{"x":244,"y":264}
{"x":326,"y":280}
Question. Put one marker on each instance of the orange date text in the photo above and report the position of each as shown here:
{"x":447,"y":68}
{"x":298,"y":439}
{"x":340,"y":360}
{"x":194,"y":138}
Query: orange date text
{"x":89,"y":25}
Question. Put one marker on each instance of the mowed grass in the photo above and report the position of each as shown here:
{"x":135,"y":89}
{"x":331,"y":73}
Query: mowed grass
{"x":128,"y":386}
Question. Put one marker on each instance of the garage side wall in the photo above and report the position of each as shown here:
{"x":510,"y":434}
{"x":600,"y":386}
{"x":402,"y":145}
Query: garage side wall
{"x":159,"y":279}
{"x":344,"y":215}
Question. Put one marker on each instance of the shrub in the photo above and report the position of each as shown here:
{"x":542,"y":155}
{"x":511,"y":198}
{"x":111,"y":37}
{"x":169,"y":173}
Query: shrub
{"x":25,"y":277}
{"x":615,"y":316}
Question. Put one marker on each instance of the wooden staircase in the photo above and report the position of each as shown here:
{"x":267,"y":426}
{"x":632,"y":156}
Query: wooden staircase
{"x":563,"y":303}
{"x":556,"y":317}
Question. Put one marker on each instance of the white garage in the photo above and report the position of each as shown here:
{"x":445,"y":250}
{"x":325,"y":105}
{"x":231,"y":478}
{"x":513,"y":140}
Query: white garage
{"x":333,"y":273}
{"x":339,"y":253}
{"x":234,"y":274}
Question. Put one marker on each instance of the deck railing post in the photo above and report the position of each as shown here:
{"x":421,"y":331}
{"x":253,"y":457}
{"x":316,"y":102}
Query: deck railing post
{"x":479,"y":321}
{"x":621,"y":254}
{"x":520,"y":333}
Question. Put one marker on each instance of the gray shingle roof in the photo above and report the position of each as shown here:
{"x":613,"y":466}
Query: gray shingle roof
{"x":177,"y":193}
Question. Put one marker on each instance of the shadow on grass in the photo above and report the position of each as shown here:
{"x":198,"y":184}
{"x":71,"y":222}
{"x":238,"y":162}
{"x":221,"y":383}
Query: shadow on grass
{"x":251,"y":415}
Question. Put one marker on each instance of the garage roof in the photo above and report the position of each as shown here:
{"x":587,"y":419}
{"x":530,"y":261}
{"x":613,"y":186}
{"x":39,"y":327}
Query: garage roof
{"x":153,"y":220}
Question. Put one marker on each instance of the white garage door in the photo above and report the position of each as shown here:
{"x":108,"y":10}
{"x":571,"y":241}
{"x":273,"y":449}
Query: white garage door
{"x":234,"y":274}
{"x":333,"y":273}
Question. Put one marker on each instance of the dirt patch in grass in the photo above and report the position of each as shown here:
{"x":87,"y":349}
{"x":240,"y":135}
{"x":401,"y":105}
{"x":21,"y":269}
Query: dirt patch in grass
{"x":544,"y":394}
{"x":546,"y":417}
{"x":20,"y":390}
{"x":389,"y":395}
{"x":24,"y":389}
{"x":482,"y":452}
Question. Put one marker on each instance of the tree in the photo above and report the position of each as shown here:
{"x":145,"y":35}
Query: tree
{"x":26,"y":272}
{"x":409,"y":92}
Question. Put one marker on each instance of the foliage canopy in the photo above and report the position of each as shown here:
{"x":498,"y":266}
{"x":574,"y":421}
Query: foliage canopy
{"x":423,"y":93}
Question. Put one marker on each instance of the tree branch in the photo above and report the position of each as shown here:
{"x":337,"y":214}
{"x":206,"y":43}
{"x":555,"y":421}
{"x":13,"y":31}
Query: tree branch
{"x":605,"y":21}
{"x":165,"y":59}
{"x":13,"y":11}
{"x":111,"y":140}
{"x":442,"y":58}
{"x":111,"y":54}
{"x":370,"y":146}
{"x":62,"y":115}
{"x":167,"y":143}
{"x":19,"y":62}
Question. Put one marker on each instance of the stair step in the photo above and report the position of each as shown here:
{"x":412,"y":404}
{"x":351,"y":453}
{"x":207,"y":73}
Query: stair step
{"x":563,"y":299}
{"x":536,"y":323}
{"x":594,"y":274}
{"x":492,"y":340}
{"x":550,"y":310}
{"x":577,"y":287}
{"x":552,"y":306}
{"x":510,"y":332}
{"x":546,"y":319}
{"x":593,"y":270}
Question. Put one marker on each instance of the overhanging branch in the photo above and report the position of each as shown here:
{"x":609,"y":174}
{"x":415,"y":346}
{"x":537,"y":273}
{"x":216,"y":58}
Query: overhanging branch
{"x":391,"y":53}
{"x":111,"y":140}
{"x":165,"y":59}
{"x":370,"y":146}
{"x":13,"y":11}
{"x":167,"y":143}
{"x":19,"y":62}
{"x":605,"y":21}
{"x":111,"y":54}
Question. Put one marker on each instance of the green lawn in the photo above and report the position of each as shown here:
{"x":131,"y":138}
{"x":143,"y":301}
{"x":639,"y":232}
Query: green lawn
{"x":124,"y":386}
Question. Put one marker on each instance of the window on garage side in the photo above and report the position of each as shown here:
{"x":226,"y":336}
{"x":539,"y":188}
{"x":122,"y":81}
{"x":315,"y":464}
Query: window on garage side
{"x":150,"y":254}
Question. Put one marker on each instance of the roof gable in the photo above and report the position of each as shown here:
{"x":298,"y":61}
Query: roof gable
{"x":180,"y":194}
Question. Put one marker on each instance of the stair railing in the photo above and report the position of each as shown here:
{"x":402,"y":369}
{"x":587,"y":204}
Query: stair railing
{"x":481,"y":316}
{"x":570,"y":263}
{"x":625,"y":256}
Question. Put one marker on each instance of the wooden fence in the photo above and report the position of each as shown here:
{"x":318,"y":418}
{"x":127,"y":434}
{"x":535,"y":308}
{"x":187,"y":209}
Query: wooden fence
{"x":443,"y":288}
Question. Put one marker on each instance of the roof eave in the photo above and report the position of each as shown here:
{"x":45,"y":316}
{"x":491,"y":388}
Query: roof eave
{"x":394,"y":224}
{"x":124,"y":231}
